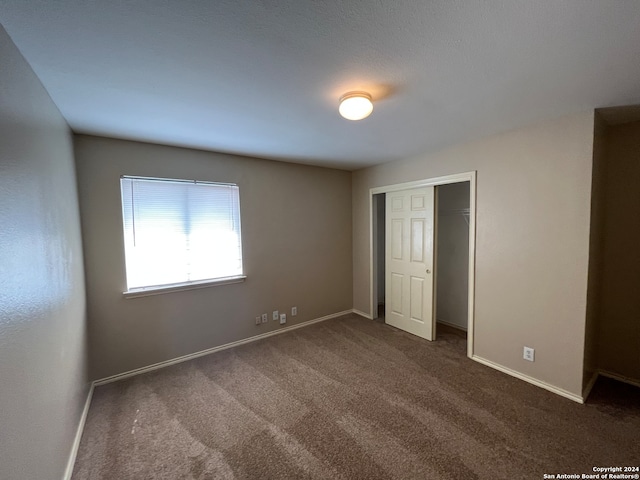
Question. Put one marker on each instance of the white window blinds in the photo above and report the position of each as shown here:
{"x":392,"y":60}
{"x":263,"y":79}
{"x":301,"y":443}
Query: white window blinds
{"x":178,"y":232}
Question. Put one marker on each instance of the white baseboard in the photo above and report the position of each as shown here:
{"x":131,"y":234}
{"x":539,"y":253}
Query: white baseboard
{"x":589,"y":386}
{"x":449,"y":324}
{"x":362,"y":314}
{"x":202,"y":353}
{"x":526,"y":378}
{"x":76,"y":441}
{"x":620,"y":378}
{"x":605,"y":373}
{"x":114,"y":378}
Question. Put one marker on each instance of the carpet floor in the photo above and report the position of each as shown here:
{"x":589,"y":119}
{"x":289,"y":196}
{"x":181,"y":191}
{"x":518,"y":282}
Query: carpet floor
{"x":350,"y":398}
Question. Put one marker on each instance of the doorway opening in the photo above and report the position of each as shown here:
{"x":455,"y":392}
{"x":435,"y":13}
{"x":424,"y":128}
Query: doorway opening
{"x":453,"y":237}
{"x":379,"y":249}
{"x":452,"y":258}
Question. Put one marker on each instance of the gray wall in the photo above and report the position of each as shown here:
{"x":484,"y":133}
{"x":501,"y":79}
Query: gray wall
{"x":43,"y":378}
{"x":296,"y":236}
{"x":532,"y":241}
{"x":453,"y":255}
{"x":595,"y":249}
{"x":619,"y":309}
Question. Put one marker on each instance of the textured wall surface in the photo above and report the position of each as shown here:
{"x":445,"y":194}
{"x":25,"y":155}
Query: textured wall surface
{"x":532,"y":241}
{"x":43,"y":378}
{"x":296,"y":238}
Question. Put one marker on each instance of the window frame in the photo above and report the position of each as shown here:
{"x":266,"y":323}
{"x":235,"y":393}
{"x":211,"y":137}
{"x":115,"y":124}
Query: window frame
{"x":186,"y":285}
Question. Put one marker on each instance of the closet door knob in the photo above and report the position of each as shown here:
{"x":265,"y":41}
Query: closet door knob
{"x":428,"y":271}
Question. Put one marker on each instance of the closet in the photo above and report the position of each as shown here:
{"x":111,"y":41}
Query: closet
{"x":452,"y":256}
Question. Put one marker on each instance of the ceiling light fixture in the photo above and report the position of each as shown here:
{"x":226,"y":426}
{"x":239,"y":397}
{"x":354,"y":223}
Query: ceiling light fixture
{"x":355,"y":105}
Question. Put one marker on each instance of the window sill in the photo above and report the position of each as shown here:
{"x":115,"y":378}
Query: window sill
{"x":178,"y":287}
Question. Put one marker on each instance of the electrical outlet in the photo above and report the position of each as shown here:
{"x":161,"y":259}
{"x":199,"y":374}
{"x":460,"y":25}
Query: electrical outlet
{"x":528,"y":354}
{"x":275,"y":315}
{"x":294,"y":311}
{"x":283,"y":318}
{"x":265,"y":318}
{"x":258,"y":320}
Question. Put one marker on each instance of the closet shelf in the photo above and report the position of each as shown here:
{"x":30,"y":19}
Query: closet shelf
{"x":464,"y":212}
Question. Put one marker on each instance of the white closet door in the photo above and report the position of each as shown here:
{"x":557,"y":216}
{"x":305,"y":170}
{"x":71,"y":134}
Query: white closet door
{"x":409,"y":235}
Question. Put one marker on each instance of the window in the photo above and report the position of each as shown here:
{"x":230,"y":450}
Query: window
{"x":180,"y":232}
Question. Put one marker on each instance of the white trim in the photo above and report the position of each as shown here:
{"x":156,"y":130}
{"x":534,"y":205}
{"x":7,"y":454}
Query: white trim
{"x":178,"y":287}
{"x":202,"y":353}
{"x":620,"y":378}
{"x":114,"y":378}
{"x":362,"y":314}
{"x":179,"y":180}
{"x":587,"y":389}
{"x":76,"y":441}
{"x":528,"y":379}
{"x":428,"y":182}
{"x":452,"y":325}
{"x":471,"y":302}
{"x":444,"y":180}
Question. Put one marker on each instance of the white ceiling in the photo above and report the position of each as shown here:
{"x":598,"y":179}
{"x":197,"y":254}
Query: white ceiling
{"x":263,"y":77}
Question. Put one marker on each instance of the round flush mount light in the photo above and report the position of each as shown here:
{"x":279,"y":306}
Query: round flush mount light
{"x":355,"y":105}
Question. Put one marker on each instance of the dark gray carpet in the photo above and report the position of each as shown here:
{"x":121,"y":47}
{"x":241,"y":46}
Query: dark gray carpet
{"x":347,"y":399}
